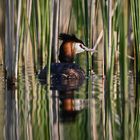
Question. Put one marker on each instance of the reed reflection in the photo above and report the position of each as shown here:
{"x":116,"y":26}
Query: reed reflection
{"x":65,"y":106}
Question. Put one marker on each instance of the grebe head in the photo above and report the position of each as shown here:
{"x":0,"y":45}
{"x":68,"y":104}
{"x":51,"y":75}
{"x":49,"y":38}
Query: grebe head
{"x":78,"y":47}
{"x":71,"y":46}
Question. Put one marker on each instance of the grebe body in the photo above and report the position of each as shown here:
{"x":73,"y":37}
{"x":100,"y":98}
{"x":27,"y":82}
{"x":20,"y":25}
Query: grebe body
{"x":66,"y":69}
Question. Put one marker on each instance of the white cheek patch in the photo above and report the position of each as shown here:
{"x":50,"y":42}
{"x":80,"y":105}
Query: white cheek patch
{"x":77,"y":48}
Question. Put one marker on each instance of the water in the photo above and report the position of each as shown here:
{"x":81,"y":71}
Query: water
{"x":29,"y":111}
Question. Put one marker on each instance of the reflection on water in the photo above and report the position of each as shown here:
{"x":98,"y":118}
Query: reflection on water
{"x":2,"y":103}
{"x":31,"y":112}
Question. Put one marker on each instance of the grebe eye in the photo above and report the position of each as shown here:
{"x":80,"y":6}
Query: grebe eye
{"x":81,"y":46}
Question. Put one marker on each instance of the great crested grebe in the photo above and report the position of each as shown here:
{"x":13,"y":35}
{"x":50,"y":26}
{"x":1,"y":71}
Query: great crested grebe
{"x":66,"y":69}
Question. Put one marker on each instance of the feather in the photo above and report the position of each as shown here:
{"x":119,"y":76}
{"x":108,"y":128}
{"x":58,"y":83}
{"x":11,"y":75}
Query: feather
{"x":66,"y":37}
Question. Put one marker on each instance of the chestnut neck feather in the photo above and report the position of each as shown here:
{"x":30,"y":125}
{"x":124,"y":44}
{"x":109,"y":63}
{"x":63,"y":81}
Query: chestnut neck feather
{"x":66,"y":52}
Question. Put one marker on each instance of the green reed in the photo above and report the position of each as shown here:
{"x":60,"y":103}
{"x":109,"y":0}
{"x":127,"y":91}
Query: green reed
{"x":87,"y":25}
{"x":123,"y":38}
{"x":40,"y":29}
{"x":135,"y":12}
{"x":78,"y":13}
{"x":107,"y":27}
{"x":123,"y":34}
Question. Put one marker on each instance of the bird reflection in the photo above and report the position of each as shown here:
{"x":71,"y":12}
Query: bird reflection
{"x":70,"y":106}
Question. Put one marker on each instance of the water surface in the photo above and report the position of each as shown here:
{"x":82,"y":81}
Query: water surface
{"x":31,"y":111}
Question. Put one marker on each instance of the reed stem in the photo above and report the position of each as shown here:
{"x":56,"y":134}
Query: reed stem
{"x":50,"y":46}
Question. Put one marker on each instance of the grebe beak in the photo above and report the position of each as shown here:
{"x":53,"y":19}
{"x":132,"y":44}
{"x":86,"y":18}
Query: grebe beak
{"x":78,"y":47}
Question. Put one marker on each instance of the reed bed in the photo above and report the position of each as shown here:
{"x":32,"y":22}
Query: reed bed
{"x":31,"y":38}
{"x":35,"y":18}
